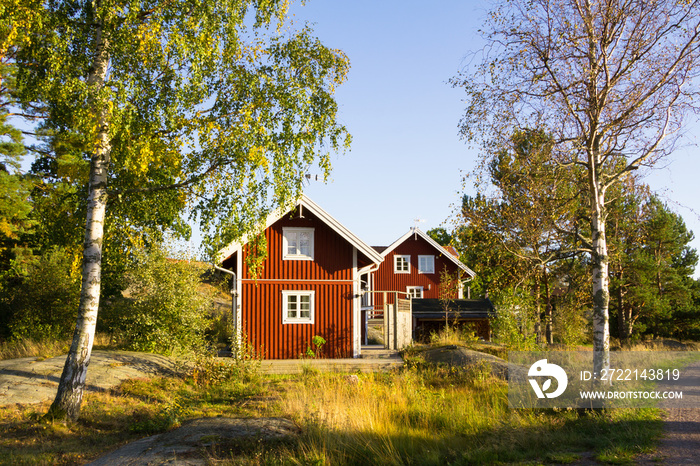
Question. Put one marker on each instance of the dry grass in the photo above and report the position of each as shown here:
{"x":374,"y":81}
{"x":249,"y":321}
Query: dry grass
{"x":30,"y":348}
{"x":43,"y":349}
{"x":418,"y":415}
{"x":136,"y":409}
{"x":439,"y":416}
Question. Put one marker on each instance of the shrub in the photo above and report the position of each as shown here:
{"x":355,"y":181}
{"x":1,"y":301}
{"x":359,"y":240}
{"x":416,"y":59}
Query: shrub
{"x":513,"y":324}
{"x":41,"y":296}
{"x":165,"y":309}
{"x":570,"y":325}
{"x":454,"y":334}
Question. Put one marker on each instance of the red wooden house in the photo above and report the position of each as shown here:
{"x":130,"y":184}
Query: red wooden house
{"x":318,"y":278}
{"x":309,"y":284}
{"x":415,"y":263}
{"x":416,"y":266}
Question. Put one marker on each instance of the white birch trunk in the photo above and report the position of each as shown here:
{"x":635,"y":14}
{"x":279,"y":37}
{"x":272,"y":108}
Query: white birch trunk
{"x":70,"y":390}
{"x":601,"y":291}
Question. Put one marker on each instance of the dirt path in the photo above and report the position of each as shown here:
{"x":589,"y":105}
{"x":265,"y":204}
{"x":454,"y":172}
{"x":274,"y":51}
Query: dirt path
{"x":681,"y":441}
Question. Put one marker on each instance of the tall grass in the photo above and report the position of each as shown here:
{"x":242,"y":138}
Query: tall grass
{"x":388,"y":418}
{"x":27,"y":348}
{"x":445,"y":415}
{"x":43,"y":349}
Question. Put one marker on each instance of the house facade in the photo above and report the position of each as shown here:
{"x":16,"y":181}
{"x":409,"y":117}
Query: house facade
{"x":319,"y":279}
{"x":308,"y":285}
{"x":418,"y":266}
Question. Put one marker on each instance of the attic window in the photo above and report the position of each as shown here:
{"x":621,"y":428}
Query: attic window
{"x":426,"y":264}
{"x":298,"y":243}
{"x":402,"y":264}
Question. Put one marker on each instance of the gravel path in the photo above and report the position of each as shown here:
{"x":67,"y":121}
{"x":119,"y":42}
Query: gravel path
{"x":681,"y":441}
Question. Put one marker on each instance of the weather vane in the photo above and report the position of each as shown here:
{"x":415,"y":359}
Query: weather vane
{"x":416,"y":221}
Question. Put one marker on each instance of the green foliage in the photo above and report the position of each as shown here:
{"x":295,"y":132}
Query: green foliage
{"x":441,"y":236}
{"x":527,"y":229}
{"x":41,"y":296}
{"x":206,"y":102}
{"x":651,"y":266}
{"x":318,"y":342}
{"x":15,"y":204}
{"x":571,"y":327}
{"x":514,"y":324}
{"x":165,"y":309}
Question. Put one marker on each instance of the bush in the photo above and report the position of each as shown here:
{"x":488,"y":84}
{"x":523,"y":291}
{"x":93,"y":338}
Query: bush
{"x":513,"y":326}
{"x":41,"y":297}
{"x":570,"y":325}
{"x":165,"y":308}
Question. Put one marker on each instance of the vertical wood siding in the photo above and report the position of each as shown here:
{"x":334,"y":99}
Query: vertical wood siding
{"x":330,"y":275}
{"x":386,"y":280}
{"x":262,"y":323}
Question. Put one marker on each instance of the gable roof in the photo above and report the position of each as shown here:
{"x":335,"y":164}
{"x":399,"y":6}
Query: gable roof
{"x":433,"y":243}
{"x":324,"y":216}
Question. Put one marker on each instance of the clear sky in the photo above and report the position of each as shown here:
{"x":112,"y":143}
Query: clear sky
{"x":407,"y":160}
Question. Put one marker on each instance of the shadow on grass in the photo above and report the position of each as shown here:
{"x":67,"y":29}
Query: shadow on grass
{"x":108,"y":420}
{"x":558,"y":438}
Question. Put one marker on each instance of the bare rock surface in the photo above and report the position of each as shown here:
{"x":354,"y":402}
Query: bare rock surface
{"x":31,"y":380}
{"x":454,"y":355}
{"x":186,"y":445}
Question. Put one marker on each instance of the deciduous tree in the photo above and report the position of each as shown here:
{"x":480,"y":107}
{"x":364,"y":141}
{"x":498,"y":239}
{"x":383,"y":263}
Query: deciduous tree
{"x":605,"y":79}
{"x":530,"y":203}
{"x":219,"y":102}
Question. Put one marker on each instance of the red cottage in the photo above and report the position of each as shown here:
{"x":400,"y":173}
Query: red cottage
{"x":308,"y":285}
{"x":413,"y":264}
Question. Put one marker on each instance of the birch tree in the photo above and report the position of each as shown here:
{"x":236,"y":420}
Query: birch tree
{"x":607,"y":80}
{"x":220,"y":102}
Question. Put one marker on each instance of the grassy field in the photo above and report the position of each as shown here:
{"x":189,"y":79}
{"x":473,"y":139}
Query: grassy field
{"x":417,"y":415}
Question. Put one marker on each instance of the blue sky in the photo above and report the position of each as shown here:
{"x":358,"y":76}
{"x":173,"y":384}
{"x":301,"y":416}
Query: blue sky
{"x":407,"y":160}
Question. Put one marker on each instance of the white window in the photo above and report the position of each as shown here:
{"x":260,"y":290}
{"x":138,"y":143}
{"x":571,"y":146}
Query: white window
{"x":298,"y":243}
{"x":402,"y":264}
{"x":415,"y":292}
{"x":426,"y":264}
{"x":297,"y":307}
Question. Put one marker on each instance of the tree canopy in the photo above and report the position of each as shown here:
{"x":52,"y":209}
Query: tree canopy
{"x":155,"y":106}
{"x":610,"y":82}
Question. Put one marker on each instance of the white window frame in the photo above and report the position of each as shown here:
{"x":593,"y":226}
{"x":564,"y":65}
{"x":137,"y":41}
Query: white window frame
{"x":431,"y":263}
{"x":405,"y":258}
{"x":293,"y":232}
{"x":286,"y":294}
{"x":411,"y":289}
